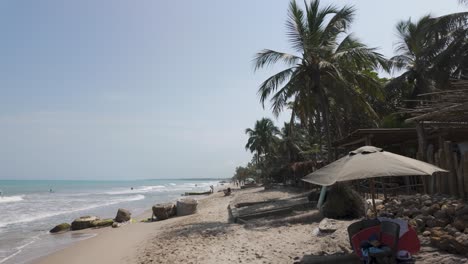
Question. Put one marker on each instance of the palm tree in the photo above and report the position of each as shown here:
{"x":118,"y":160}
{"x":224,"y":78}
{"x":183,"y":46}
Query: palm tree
{"x":327,"y":69}
{"x":430,"y":51}
{"x":262,"y":138}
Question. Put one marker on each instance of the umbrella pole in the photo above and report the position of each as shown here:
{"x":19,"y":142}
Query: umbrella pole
{"x":321,"y":197}
{"x":373,"y":196}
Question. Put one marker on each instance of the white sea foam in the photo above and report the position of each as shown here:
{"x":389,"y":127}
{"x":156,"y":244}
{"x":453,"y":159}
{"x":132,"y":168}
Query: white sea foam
{"x":35,"y":217}
{"x":10,"y":199}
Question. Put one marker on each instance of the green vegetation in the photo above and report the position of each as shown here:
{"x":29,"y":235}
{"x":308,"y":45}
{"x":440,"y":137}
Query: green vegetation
{"x":331,"y":86}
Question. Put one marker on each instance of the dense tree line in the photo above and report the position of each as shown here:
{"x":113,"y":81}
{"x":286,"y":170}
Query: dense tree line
{"x":331,"y":86}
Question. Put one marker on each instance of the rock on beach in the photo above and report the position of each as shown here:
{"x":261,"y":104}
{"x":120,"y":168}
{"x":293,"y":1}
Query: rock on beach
{"x":123,"y":215}
{"x":63,"y":227}
{"x":83,"y":222}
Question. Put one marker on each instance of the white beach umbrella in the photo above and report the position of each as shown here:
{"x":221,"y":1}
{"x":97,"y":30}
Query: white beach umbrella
{"x":369,"y":162}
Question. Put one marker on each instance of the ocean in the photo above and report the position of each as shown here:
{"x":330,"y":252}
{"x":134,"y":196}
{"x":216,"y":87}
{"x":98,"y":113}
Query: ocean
{"x":30,"y":208}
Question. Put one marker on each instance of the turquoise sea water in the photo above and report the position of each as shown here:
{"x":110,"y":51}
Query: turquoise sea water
{"x":29,"y":209}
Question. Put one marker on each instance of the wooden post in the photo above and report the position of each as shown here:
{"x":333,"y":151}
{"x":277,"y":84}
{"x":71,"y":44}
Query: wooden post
{"x":452,"y":180}
{"x":421,"y":155}
{"x":459,"y":175}
{"x":437,"y":185}
{"x":465,"y":170}
{"x":444,"y":179}
{"x":431,"y":178}
{"x":422,"y":142}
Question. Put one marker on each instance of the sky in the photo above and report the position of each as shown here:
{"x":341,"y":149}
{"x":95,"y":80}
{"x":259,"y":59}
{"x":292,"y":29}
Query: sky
{"x":113,"y":90}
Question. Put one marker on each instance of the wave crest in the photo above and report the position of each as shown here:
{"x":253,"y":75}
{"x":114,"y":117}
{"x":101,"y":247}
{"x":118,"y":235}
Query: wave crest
{"x":10,"y":199}
{"x":46,"y":215}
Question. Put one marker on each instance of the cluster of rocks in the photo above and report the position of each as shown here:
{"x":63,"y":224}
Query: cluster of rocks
{"x":166,"y":210}
{"x":442,"y":219}
{"x":84,"y":222}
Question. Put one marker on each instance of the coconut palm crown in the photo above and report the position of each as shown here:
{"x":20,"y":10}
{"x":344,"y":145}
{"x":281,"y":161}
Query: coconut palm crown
{"x":262,"y":137}
{"x":328,"y":65}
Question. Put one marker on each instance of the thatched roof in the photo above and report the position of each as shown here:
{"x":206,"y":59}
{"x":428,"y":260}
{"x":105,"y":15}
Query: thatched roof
{"x":444,"y":108}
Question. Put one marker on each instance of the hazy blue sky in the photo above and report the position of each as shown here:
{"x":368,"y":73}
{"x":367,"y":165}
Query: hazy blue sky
{"x":113,"y":89}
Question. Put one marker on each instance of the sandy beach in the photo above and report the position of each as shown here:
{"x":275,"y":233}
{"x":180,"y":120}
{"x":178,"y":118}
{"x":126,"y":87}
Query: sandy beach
{"x":210,"y":237}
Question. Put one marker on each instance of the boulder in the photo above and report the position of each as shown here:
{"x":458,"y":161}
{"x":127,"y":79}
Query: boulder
{"x":186,"y":206}
{"x":63,"y":227}
{"x":83,"y":222}
{"x":328,"y":225}
{"x":102,"y":223}
{"x":164,"y":211}
{"x":342,"y":202}
{"x":123,"y":215}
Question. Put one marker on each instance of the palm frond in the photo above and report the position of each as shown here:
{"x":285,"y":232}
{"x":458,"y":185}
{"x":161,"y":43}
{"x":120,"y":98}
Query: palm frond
{"x":339,"y":23}
{"x":268,"y":57}
{"x":295,"y":25}
{"x":271,"y":84}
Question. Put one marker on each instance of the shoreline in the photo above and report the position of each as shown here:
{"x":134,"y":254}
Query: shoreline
{"x":95,"y":233}
{"x":209,"y":236}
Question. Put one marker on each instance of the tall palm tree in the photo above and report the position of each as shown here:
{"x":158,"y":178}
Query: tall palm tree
{"x":262,"y":138}
{"x":430,"y":51}
{"x":326,"y":67}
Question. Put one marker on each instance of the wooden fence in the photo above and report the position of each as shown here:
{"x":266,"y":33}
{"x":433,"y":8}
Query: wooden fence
{"x":455,"y":182}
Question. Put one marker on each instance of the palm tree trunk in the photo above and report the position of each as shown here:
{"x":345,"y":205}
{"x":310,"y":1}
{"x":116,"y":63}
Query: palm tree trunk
{"x":319,"y":131}
{"x":323,"y":104}
{"x":327,"y":131}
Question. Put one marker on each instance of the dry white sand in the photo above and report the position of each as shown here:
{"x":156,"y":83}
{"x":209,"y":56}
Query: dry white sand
{"x":209,"y":237}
